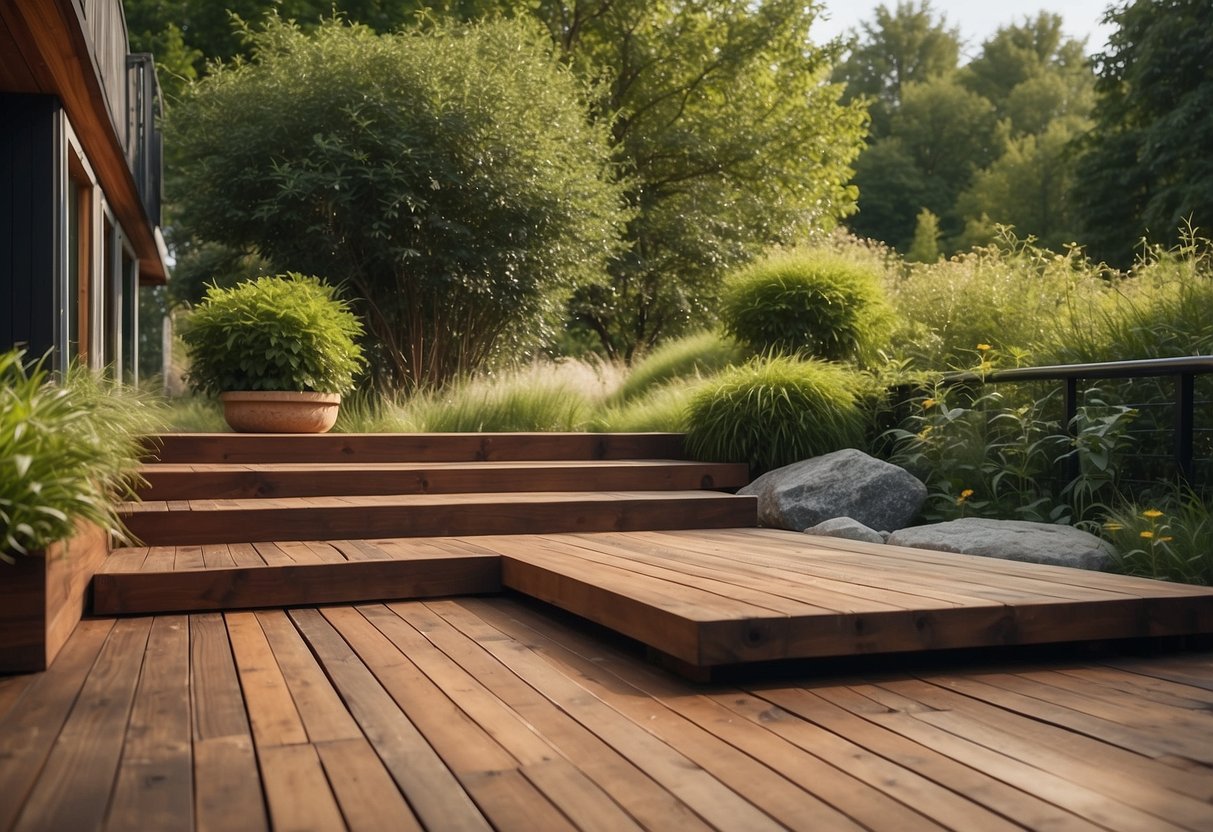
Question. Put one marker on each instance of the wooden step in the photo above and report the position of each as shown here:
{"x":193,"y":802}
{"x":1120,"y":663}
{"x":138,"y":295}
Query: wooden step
{"x":182,"y":522}
{"x":245,"y":481}
{"x":283,"y":573}
{"x":410,"y":447}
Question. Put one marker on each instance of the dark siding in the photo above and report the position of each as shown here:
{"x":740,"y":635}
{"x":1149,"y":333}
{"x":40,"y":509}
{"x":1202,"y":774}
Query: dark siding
{"x":28,"y":197}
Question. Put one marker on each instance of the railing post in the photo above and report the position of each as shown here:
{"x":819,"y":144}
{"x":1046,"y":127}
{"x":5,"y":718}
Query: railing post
{"x":1185,"y":398}
{"x":1073,"y":463}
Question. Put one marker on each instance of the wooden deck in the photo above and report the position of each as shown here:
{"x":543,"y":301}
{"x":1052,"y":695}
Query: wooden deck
{"x":702,"y":597}
{"x":491,"y":714}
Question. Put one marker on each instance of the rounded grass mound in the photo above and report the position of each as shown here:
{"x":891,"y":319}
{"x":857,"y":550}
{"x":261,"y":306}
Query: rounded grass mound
{"x":701,"y":354}
{"x":811,"y":302}
{"x":776,"y":411}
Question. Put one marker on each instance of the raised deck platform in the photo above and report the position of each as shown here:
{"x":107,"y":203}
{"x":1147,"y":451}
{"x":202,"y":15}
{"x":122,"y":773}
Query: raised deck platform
{"x":703,"y":597}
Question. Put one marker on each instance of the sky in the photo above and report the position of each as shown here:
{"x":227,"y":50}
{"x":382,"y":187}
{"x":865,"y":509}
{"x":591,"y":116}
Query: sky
{"x":978,"y":19}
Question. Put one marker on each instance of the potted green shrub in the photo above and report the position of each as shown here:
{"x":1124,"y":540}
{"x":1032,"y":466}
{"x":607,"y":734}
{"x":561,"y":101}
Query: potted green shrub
{"x":279,"y":351}
{"x":69,"y":453}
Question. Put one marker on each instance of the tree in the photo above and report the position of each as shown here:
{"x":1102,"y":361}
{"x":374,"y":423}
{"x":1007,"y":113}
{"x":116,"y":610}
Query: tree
{"x":925,"y":246}
{"x":907,"y":44}
{"x":1144,"y":169}
{"x":732,"y":140}
{"x":450,"y":179}
{"x":1019,"y":52}
{"x":1028,"y":187}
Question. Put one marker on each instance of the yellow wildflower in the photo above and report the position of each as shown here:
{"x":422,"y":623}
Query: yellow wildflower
{"x":922,"y":434}
{"x":1112,"y":526}
{"x":964,"y":496}
{"x":1166,"y":539}
{"x":927,"y":404}
{"x":1147,"y":534}
{"x":984,"y":347}
{"x":1151,"y":513}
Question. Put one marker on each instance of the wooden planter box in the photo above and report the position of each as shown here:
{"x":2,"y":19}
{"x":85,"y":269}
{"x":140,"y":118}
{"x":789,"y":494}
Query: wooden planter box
{"x":43,"y":597}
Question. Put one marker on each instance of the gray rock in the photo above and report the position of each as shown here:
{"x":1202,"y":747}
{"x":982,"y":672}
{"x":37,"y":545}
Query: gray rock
{"x":1011,"y":540}
{"x":846,"y":483}
{"x":848,"y":528}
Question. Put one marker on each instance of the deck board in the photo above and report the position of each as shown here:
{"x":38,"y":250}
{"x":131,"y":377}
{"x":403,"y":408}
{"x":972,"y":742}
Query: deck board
{"x":483,"y":713}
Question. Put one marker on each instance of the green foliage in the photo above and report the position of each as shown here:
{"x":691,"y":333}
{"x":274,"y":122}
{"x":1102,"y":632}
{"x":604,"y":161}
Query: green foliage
{"x":924,"y":248}
{"x":273,"y":333}
{"x":533,"y":401}
{"x":197,"y":414}
{"x":733,"y":142}
{"x":1162,"y":309}
{"x":663,"y":409}
{"x":1170,"y":538}
{"x":449,"y":178}
{"x":1008,"y":295}
{"x":68,"y":451}
{"x":776,"y":411}
{"x":689,"y":357}
{"x":1145,"y":169}
{"x":810,"y":301}
{"x":987,"y":454}
{"x":900,"y":46}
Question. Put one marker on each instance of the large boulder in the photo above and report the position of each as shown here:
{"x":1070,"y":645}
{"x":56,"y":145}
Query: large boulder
{"x":1011,"y":540}
{"x":846,"y":483}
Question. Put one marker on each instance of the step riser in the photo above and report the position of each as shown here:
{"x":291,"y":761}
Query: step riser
{"x":409,"y":447}
{"x":360,"y":522}
{"x":202,"y":485}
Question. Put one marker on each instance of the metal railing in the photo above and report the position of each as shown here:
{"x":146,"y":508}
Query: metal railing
{"x":1184,"y":370}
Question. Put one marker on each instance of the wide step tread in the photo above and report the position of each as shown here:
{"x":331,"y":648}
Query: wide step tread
{"x":410,"y":447}
{"x":417,"y":515}
{"x":192,"y":481}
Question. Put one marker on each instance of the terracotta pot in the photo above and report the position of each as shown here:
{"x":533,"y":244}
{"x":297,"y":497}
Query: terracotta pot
{"x":279,"y":411}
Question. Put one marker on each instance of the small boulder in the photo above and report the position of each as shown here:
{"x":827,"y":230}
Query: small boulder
{"x":1010,"y":540}
{"x":846,"y":483}
{"x":848,"y":528}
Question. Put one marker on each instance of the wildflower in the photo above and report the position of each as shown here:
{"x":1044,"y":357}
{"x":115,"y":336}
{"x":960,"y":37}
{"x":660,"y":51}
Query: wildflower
{"x":1146,"y":534}
{"x":1151,"y":513}
{"x":1166,"y":539}
{"x":922,"y":434}
{"x":964,"y":496}
{"x":984,"y":347}
{"x":1113,"y":526}
{"x":927,"y":404}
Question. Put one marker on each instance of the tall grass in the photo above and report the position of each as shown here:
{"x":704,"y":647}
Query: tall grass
{"x":691,"y":357}
{"x":662,"y":409}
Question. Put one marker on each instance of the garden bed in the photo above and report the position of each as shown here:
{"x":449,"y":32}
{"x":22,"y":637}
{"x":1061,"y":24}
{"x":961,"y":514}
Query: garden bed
{"x":44,"y":595}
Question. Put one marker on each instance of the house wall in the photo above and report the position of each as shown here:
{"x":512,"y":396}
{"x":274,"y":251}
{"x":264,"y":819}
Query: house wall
{"x":29,"y":154}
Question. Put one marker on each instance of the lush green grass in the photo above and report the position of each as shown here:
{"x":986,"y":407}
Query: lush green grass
{"x":661,"y":409}
{"x":1170,"y":538}
{"x":195,"y":414}
{"x":691,"y":357}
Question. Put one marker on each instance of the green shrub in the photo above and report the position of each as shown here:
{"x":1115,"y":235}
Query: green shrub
{"x":692,"y":356}
{"x":775,"y":411}
{"x":68,"y":451}
{"x":448,"y":174}
{"x":1170,"y":539}
{"x":812,"y":302}
{"x":273,"y":333}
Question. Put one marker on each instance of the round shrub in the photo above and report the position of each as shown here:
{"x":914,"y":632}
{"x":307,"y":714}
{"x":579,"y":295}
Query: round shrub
{"x":776,"y":411}
{"x":814,"y":303}
{"x":273,"y":333}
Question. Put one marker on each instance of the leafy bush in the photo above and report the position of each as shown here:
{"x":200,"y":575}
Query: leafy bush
{"x":450,"y":177}
{"x":985,"y":455}
{"x":273,"y":333}
{"x":1170,"y":539}
{"x":689,"y":357}
{"x":775,"y":411}
{"x":812,"y":302}
{"x":68,"y":451}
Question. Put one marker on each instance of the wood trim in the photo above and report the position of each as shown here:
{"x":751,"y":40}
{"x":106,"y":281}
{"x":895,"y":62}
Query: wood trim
{"x":64,"y":66}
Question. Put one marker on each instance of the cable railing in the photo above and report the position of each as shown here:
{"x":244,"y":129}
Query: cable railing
{"x":1183,"y":370}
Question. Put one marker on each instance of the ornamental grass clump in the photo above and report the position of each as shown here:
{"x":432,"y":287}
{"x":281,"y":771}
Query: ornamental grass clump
{"x":775,"y":411}
{"x":69,"y":451}
{"x":689,"y":357}
{"x":288,"y":332}
{"x":1169,"y":539}
{"x":814,"y":303}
